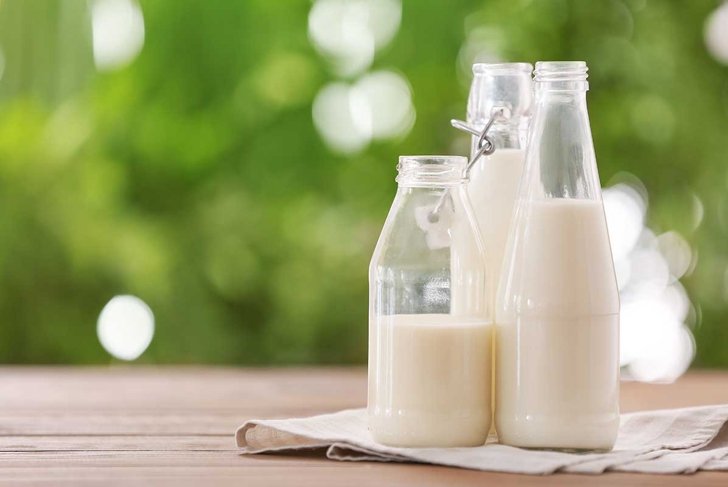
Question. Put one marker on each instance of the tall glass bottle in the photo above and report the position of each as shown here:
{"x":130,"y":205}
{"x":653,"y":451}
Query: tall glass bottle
{"x":557,"y":312}
{"x":430,"y":329}
{"x":494,"y":178}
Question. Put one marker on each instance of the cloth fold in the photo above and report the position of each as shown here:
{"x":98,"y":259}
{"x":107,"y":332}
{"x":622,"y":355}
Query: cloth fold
{"x":670,"y":441}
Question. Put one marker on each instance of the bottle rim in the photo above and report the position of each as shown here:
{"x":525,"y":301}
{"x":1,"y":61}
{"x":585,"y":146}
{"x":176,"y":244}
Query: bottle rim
{"x":431,"y":170}
{"x":560,"y":71}
{"x":502,"y":68}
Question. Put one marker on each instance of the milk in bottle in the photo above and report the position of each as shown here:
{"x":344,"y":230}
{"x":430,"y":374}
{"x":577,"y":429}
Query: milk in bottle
{"x":426,"y":388}
{"x":430,"y":328}
{"x":557,"y":311}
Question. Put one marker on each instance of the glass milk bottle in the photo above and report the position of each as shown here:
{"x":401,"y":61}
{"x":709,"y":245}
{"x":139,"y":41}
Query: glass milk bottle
{"x":430,"y":332}
{"x":503,"y":91}
{"x":557,"y":312}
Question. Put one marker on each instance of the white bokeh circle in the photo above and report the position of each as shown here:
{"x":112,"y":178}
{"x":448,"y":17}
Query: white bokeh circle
{"x":125,"y":327}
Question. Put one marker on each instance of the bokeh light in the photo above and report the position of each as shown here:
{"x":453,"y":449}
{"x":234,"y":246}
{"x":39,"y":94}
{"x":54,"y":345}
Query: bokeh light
{"x":125,"y":327}
{"x":118,"y":32}
{"x":481,"y":45}
{"x":383,"y":105}
{"x":349,"y":32}
{"x":333,"y":115}
{"x":656,"y":343}
{"x":625,"y":218}
{"x":377,"y":107}
{"x":716,"y":33}
{"x":698,"y":212}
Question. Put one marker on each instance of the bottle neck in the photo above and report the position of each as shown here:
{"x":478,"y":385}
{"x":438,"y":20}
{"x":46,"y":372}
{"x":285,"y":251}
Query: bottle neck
{"x":562,"y":86}
{"x":505,"y":86}
{"x":417,"y":187}
{"x":575,"y":98}
{"x":560,"y":161}
{"x":560,"y":95}
{"x":560,"y":90}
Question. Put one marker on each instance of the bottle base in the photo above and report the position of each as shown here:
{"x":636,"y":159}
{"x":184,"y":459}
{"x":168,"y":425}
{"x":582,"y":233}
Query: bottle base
{"x":569,"y":435}
{"x":424,"y":430}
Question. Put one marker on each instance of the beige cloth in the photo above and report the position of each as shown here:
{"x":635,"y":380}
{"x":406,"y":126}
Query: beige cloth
{"x":666,"y":441}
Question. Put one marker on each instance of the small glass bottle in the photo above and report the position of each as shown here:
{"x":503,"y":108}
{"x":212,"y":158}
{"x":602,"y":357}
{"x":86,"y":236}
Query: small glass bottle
{"x":557,"y":312}
{"x":430,"y":330}
{"x":506,"y":89}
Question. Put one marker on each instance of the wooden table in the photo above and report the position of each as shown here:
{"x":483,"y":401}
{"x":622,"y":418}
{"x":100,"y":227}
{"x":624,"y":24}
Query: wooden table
{"x":174,"y":426}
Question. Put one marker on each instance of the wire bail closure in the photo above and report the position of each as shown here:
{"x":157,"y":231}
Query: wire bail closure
{"x":485,"y":145}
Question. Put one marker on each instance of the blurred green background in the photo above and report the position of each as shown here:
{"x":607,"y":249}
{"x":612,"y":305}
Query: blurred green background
{"x":167,"y":149}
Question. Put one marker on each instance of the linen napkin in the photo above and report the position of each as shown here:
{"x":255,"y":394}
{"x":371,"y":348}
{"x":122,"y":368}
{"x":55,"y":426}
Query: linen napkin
{"x":670,"y":441}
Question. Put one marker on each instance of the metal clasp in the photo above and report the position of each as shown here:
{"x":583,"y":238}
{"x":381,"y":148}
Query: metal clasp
{"x":485,"y":148}
{"x":485,"y":144}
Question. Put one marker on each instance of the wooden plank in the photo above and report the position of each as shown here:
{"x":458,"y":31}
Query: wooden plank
{"x":698,"y":388}
{"x":116,"y":443}
{"x":174,"y":425}
{"x":145,"y":458}
{"x":175,"y":388}
{"x":298,"y":466}
{"x":210,"y":460}
{"x":180,"y":423}
{"x":359,"y":475}
{"x":59,"y":424}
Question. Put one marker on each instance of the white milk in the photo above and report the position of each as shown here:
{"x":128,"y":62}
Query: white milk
{"x":429,"y":382}
{"x":557,"y":333}
{"x":493,"y":189}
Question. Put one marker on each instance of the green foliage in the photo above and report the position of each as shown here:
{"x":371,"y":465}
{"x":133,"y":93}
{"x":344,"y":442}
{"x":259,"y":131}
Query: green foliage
{"x":195,"y":179}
